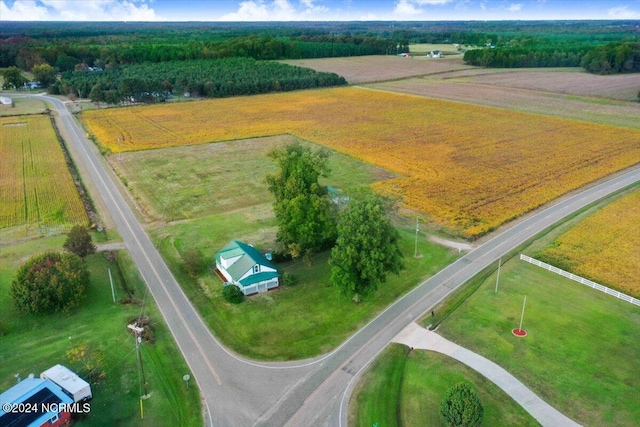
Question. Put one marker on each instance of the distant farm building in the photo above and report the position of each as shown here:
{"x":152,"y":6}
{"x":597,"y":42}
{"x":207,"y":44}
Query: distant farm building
{"x":35,"y":393}
{"x":435,"y":54}
{"x":242,"y":265}
{"x":6,"y":101}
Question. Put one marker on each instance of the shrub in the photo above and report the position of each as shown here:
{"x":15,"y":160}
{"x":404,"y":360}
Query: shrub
{"x":194,"y":262}
{"x":461,"y":407}
{"x":232,"y":294}
{"x":289,"y":279}
{"x":50,"y":282}
{"x":79,"y":242}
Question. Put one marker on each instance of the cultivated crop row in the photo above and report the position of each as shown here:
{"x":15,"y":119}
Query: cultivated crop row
{"x":603,"y":247}
{"x":36,"y":186}
{"x":470,"y":168}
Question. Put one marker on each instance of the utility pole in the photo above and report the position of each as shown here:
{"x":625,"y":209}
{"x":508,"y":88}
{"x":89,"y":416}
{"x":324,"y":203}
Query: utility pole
{"x":415,"y":253}
{"x":143,"y":383}
{"x":113,"y":291}
{"x":498,"y":277}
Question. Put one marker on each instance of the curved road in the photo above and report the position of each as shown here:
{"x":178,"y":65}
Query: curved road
{"x":239,"y":392}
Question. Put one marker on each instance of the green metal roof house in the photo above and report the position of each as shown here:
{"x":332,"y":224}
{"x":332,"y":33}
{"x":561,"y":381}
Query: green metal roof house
{"x":242,"y":265}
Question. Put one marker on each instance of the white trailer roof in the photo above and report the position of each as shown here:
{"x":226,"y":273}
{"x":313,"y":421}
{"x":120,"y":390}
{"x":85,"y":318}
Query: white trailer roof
{"x":65,"y":378}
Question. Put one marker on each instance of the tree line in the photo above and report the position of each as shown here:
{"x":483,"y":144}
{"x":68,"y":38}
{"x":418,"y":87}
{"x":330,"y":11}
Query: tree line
{"x":202,"y":78}
{"x":612,"y":58}
{"x":25,"y":52}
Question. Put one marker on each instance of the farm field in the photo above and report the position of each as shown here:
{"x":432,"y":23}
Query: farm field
{"x":37,"y":191}
{"x":367,"y":69}
{"x":403,"y":388}
{"x":580,"y":354}
{"x":570,"y":81}
{"x":465,"y":90}
{"x":22,"y":106}
{"x":214,"y":178}
{"x":33,"y":343}
{"x":603,"y":247}
{"x":466,"y":175}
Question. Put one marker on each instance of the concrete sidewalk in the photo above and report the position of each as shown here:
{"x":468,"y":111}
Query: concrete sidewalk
{"x":420,"y":338}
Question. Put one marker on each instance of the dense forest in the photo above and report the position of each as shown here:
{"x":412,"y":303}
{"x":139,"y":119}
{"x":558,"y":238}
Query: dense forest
{"x":209,"y":78}
{"x":612,"y":58}
{"x":116,"y":61}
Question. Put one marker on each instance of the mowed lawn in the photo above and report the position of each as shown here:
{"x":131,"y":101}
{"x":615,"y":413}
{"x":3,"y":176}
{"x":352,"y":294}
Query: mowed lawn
{"x":189,"y":182}
{"x":581,"y":354}
{"x":33,"y":343}
{"x":405,"y":388}
{"x":470,"y":168}
{"x":293,"y":322}
{"x":603,"y":247}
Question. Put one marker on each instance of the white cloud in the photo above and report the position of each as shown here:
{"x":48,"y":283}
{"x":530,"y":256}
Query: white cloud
{"x":515,"y":7}
{"x":413,"y":9}
{"x":22,"y":11}
{"x":278,"y":10}
{"x":73,"y":10}
{"x":622,"y":12}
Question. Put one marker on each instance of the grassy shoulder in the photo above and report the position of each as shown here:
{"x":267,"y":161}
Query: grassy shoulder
{"x":292,"y":322}
{"x":405,"y":388}
{"x":580,"y":354}
{"x":33,"y":343}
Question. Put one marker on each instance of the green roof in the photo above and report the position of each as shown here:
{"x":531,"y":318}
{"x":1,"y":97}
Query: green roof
{"x":258,"y":277}
{"x":249,"y":257}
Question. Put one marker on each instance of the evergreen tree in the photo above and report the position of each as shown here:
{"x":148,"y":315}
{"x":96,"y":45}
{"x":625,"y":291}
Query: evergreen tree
{"x":79,"y":242}
{"x":461,"y":407}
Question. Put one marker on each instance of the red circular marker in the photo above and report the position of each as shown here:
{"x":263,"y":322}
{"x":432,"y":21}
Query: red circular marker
{"x":519,"y":332}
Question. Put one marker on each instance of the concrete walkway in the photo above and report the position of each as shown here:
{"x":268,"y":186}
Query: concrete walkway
{"x":420,"y":338}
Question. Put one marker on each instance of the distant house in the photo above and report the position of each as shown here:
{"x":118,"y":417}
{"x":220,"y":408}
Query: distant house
{"x":435,"y":54}
{"x":35,"y":393}
{"x":242,"y":265}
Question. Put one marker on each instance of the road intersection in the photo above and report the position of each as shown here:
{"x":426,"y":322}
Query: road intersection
{"x":241,"y":392}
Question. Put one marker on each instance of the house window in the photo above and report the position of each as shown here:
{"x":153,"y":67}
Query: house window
{"x":256,"y":268}
{"x":53,"y":419}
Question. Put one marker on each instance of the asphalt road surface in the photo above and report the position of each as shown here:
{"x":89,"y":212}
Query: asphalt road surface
{"x":239,"y":392}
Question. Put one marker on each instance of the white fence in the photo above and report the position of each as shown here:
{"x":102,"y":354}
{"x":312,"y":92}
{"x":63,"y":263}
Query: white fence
{"x":582,"y":280}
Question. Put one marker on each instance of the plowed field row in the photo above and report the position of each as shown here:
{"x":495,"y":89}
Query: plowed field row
{"x":470,"y":168}
{"x":36,"y":187}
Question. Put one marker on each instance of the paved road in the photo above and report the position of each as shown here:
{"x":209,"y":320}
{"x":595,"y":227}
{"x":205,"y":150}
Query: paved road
{"x":239,"y":392}
{"x":417,"y":337}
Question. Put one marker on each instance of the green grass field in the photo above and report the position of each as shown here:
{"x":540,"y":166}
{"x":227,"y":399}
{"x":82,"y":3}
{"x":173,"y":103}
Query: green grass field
{"x":293,"y":322}
{"x":214,"y":178}
{"x":22,"y":106}
{"x":403,"y":388}
{"x":35,"y":343}
{"x":581,"y":354}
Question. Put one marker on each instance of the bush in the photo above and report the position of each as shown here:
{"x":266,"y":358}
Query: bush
{"x":289,"y":279}
{"x":461,"y":407}
{"x":50,"y":282}
{"x":194,"y":262}
{"x":232,"y":294}
{"x":79,"y":242}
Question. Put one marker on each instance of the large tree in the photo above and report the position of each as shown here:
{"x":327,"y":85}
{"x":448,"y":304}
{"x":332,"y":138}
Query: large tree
{"x":461,"y":407}
{"x":12,"y":78}
{"x":79,"y":242}
{"x":50,"y":282}
{"x":45,"y":74}
{"x":367,"y":247}
{"x":306,"y":222}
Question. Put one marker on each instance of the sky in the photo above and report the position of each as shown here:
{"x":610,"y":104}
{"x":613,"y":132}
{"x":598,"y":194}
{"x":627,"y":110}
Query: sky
{"x":315,"y":10}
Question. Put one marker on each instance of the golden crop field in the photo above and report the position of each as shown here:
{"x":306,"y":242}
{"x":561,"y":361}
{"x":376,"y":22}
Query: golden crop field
{"x":470,"y":168}
{"x":36,"y":188}
{"x":605,"y":247}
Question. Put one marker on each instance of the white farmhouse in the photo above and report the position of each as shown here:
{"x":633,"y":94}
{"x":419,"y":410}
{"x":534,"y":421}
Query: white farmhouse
{"x":242,"y":265}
